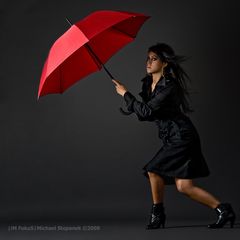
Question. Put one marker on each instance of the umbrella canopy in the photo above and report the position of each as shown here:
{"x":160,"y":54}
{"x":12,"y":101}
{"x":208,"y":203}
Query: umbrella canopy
{"x":86,"y":46}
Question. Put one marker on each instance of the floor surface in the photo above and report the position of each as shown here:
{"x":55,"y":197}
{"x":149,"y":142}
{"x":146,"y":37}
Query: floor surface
{"x":130,"y":229}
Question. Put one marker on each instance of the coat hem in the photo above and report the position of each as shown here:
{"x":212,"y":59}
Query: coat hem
{"x":170,"y":179}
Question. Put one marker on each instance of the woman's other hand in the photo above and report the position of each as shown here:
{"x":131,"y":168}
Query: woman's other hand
{"x":120,"y":88}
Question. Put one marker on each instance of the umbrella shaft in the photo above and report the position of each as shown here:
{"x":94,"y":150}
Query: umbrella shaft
{"x":110,"y":75}
{"x":99,"y":61}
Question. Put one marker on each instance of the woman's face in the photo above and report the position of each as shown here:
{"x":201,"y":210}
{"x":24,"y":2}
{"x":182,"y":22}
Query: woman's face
{"x":154,"y":63}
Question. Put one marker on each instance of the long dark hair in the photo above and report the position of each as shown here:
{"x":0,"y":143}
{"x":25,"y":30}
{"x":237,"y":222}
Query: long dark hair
{"x":173,"y":68}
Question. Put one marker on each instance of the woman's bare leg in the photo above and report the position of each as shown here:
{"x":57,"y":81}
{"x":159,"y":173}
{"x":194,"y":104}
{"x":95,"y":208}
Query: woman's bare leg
{"x":157,"y":187}
{"x":198,"y":194}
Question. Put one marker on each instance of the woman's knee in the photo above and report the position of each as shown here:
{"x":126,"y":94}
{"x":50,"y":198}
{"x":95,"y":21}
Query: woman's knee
{"x":184,"y":185}
{"x":151,"y":174}
{"x":154,"y":175}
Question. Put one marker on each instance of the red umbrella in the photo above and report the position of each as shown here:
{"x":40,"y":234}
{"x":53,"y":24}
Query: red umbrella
{"x":86,"y":46}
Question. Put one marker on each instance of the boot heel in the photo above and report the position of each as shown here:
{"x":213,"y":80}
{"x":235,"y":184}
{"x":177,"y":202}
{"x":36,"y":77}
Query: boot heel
{"x":225,"y":214}
{"x":232,"y":222}
{"x":163,"y":222}
{"x":157,"y":217}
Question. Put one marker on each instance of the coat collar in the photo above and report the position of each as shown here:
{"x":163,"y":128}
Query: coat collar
{"x":162,"y":82}
{"x":146,"y":88}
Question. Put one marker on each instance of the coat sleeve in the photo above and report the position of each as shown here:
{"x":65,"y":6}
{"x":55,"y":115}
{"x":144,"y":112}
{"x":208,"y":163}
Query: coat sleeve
{"x":145,"y":111}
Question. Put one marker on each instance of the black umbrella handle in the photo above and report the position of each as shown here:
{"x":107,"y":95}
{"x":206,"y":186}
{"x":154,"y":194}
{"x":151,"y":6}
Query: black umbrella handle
{"x":109,"y":74}
{"x":99,"y":61}
{"x":124,"y":112}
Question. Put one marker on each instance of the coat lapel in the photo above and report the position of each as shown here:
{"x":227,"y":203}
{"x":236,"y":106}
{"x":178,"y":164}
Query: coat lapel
{"x":146,"y":92}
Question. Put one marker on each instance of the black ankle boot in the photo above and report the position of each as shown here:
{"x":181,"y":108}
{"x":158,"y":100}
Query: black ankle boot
{"x":158,"y":216}
{"x":225,"y":213}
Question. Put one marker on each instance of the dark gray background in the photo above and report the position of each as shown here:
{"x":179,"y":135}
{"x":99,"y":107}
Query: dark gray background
{"x":74,"y":156}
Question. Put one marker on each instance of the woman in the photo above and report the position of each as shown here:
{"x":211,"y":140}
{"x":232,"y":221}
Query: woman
{"x":180,"y":159}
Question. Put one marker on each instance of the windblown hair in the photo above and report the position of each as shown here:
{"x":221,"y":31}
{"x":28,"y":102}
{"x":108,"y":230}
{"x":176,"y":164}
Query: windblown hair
{"x":173,"y":68}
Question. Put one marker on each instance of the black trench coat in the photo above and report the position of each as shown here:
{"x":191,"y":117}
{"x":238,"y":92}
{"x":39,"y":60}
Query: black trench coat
{"x":180,"y":154}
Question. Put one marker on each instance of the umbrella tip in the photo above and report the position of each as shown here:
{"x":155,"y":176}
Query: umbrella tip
{"x":69,"y":22}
